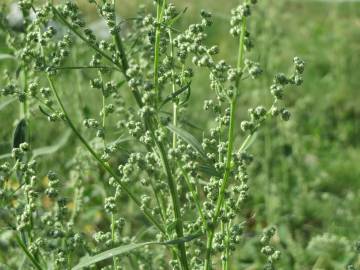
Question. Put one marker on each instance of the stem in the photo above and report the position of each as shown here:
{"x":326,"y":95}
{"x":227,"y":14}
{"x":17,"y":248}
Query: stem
{"x":104,"y":165}
{"x":175,"y":203}
{"x":195,"y":196}
{"x":28,"y":254}
{"x":159,"y":15}
{"x":163,"y":154}
{"x":173,"y":88}
{"x":231,"y":137}
{"x":103,"y":109}
{"x":64,"y":21}
{"x":113,"y":238}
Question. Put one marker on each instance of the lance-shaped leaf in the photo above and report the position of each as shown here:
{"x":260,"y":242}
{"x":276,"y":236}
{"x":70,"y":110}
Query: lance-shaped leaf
{"x":4,"y":56}
{"x":90,"y":260}
{"x":205,"y":166}
{"x":19,"y":135}
{"x":177,"y":93}
{"x":190,"y":139}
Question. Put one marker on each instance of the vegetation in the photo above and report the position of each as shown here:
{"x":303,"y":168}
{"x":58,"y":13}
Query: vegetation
{"x":141,"y":137}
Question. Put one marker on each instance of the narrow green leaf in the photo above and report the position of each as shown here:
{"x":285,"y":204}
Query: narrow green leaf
{"x":209,"y":170}
{"x":249,"y":140}
{"x":42,"y":110}
{"x":190,"y":139}
{"x":177,"y":93}
{"x":90,"y":260}
{"x":19,"y":135}
{"x":177,"y":17}
{"x":183,"y":239}
{"x":6,"y":102}
{"x":4,"y":56}
{"x":4,"y":156}
{"x":47,"y":150}
{"x":206,"y":166}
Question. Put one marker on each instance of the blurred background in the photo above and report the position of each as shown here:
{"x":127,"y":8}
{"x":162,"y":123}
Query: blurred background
{"x":306,"y":176}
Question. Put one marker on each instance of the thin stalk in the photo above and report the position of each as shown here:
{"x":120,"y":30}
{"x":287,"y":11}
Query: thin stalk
{"x":105,"y":166}
{"x":113,"y":238}
{"x":231,"y":138}
{"x":195,"y":197}
{"x":25,"y":114}
{"x":223,"y":260}
{"x":227,"y":248}
{"x":103,"y":122}
{"x":64,"y":21}
{"x":163,"y":154}
{"x":159,"y":15}
{"x":175,"y":202}
{"x":173,"y":87}
{"x":28,"y":254}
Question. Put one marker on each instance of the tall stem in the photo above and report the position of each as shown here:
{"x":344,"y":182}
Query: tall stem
{"x":231,"y":137}
{"x":173,"y":87}
{"x":159,"y":14}
{"x":161,"y":148}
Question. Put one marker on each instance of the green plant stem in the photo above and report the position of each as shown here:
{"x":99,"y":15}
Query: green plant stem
{"x":195,"y":196}
{"x":159,"y":15}
{"x":28,"y":254}
{"x":113,"y":238}
{"x":231,"y":138}
{"x":76,"y":32}
{"x":175,"y":201}
{"x":150,"y":124}
{"x":105,"y":166}
{"x":163,"y":153}
{"x":173,"y":88}
{"x":103,"y":108}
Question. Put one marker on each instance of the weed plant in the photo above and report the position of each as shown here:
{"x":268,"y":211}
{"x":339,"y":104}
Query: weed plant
{"x":170,"y":197}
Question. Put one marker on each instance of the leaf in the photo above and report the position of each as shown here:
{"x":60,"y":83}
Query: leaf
{"x":205,"y":167}
{"x":190,"y":139}
{"x":177,"y":93}
{"x":6,"y":56}
{"x":209,"y":170}
{"x":43,"y":111}
{"x":177,"y":17}
{"x":89,"y":260}
{"x":47,"y":150}
{"x":6,"y":103}
{"x":17,"y":72}
{"x":19,"y":133}
{"x":249,"y":140}
{"x":182,"y":240}
{"x":8,"y":155}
